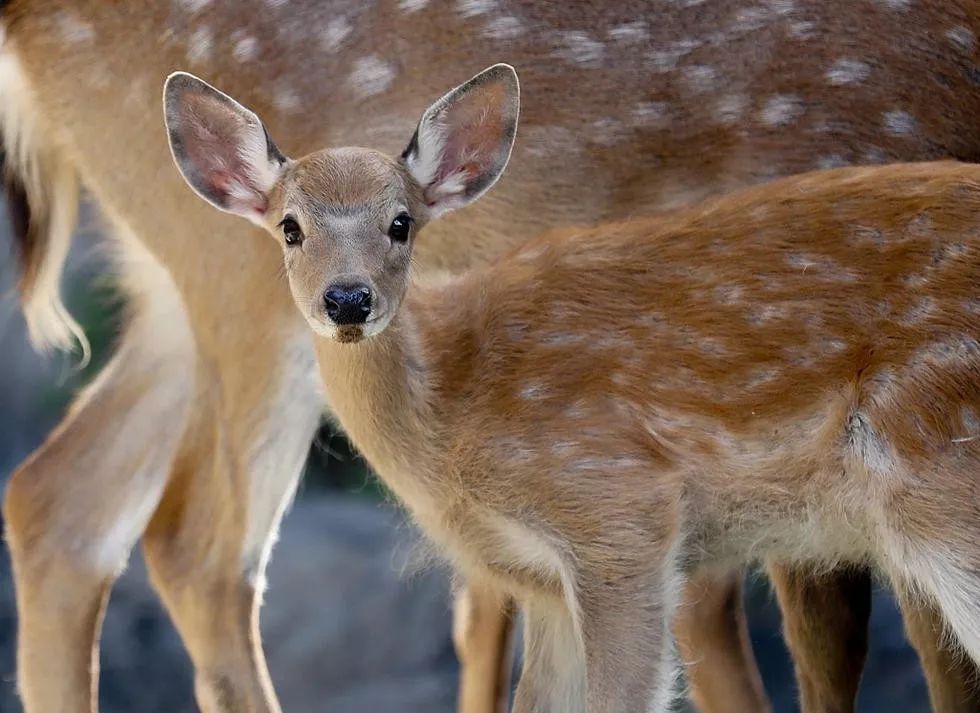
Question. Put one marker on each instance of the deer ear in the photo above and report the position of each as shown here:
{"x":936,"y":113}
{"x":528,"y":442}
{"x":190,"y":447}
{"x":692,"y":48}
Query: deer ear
{"x":464,"y":140}
{"x":222,"y":149}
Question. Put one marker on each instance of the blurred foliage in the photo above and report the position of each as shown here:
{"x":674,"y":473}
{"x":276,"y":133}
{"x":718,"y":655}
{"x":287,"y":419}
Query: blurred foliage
{"x":98,"y":306}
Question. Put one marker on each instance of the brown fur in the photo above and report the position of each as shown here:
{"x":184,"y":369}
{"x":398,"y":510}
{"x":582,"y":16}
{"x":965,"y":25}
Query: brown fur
{"x":800,"y":383}
{"x":580,"y":157}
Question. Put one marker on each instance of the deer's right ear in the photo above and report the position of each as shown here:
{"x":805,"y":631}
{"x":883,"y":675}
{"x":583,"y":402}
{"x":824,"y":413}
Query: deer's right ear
{"x":222,"y":149}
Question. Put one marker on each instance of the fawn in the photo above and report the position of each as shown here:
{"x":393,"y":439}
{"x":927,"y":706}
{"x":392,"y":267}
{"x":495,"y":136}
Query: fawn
{"x":660,"y":104}
{"x":789,"y":371}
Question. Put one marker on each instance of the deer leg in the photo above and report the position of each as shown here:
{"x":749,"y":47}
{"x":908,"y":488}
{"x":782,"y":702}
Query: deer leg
{"x":629,"y":645}
{"x":208,"y":542}
{"x":76,"y":507}
{"x":553,"y":674}
{"x":825,"y":623}
{"x":483,"y":636}
{"x":712,"y":635}
{"x":954,"y":684}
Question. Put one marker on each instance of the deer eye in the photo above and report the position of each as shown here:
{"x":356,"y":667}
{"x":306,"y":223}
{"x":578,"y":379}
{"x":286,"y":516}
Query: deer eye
{"x":400,"y":227}
{"x":290,"y":231}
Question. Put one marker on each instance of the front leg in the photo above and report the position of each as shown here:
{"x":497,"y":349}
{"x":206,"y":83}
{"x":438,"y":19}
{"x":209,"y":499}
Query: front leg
{"x":553,"y":676}
{"x":631,"y":662}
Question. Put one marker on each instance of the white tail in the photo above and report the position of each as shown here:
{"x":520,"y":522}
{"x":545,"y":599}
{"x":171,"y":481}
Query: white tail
{"x":623,"y":114}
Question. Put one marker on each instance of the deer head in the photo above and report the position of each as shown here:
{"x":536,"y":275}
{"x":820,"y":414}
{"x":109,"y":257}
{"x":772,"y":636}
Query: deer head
{"x":346,"y":217}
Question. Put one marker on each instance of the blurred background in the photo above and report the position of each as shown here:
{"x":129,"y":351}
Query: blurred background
{"x":353,"y":623}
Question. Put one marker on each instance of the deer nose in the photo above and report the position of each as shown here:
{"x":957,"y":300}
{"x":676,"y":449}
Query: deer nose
{"x":348,"y":304}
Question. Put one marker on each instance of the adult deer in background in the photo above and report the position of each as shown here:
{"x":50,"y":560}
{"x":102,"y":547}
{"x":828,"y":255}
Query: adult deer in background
{"x":789,"y":371}
{"x":630,"y":108}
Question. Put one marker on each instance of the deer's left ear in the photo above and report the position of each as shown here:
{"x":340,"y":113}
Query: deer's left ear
{"x":222,"y":149}
{"x":464,"y":140}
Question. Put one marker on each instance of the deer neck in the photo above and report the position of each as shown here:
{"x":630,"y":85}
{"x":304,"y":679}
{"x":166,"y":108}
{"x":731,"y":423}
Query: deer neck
{"x":381,"y":390}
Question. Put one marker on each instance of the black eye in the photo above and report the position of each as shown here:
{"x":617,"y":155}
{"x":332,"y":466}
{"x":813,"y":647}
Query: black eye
{"x":400,"y":227}
{"x":290,"y":231}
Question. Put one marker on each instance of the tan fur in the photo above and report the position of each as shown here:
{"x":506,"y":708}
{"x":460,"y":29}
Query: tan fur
{"x":786,"y":372}
{"x":593,"y":145}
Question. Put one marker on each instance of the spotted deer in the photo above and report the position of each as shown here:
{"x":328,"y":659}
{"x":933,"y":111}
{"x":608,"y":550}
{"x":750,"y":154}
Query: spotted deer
{"x":631,"y":107}
{"x":791,"y":371}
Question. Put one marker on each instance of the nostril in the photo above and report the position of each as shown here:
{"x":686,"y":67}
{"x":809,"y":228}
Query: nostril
{"x":363,"y":299}
{"x":332,"y":300}
{"x":348,"y":304}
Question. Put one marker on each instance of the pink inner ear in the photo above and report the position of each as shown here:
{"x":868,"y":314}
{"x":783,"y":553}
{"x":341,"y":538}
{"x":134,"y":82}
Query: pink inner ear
{"x":474,"y":138}
{"x":239,"y":194}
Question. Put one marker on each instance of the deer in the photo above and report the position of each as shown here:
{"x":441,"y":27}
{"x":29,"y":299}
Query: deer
{"x":788,"y":371}
{"x":630,"y":97}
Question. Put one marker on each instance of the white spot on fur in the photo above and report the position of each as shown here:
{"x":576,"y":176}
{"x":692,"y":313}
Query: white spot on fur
{"x":578,"y":47}
{"x":504,"y":28}
{"x":962,"y":38}
{"x":286,"y":100}
{"x":193,"y":6}
{"x":848,"y":71}
{"x":245,"y":49}
{"x":899,"y":123}
{"x":410,"y":6}
{"x":562,"y":339}
{"x":651,"y":113}
{"x":896,"y":4}
{"x":472,"y":8}
{"x":73,"y":28}
{"x":335,"y":33}
{"x":276,"y":3}
{"x":761,"y":378}
{"x":199,"y":45}
{"x":834,"y":160}
{"x":730,"y":108}
{"x":371,"y":75}
{"x":920,"y":311}
{"x":749,"y":20}
{"x":729,"y":294}
{"x":781,"y":110}
{"x":666,"y":59}
{"x":630,"y":32}
{"x":802,"y":30}
{"x":534,"y":391}
{"x":700,"y":78}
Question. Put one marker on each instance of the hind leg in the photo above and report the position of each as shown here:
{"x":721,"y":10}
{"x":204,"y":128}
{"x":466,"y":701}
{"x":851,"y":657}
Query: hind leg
{"x":954,"y":685}
{"x":713,"y":638}
{"x":75,"y":508}
{"x":825,"y":623}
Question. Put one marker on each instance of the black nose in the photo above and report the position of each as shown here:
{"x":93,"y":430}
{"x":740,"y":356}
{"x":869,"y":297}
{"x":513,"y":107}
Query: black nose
{"x":348,"y":304}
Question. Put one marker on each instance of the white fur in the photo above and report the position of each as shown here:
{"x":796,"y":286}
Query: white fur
{"x":51,"y":186}
{"x":335,"y":33}
{"x":371,"y":75}
{"x":848,"y":71}
{"x":781,"y":110}
{"x":899,"y":123}
{"x":424,"y":163}
{"x":168,"y":356}
{"x":278,"y":451}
